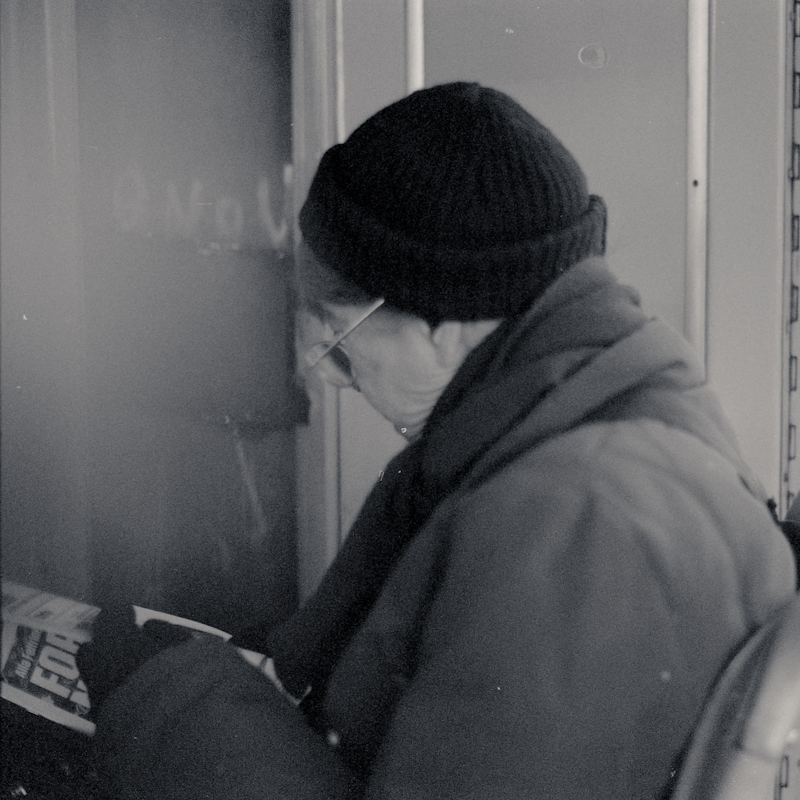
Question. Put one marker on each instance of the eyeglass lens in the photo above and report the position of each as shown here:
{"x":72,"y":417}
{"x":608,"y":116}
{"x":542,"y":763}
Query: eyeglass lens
{"x":340,"y":359}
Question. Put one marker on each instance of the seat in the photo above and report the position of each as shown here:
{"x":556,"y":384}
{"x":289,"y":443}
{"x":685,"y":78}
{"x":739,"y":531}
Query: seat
{"x":747,"y":744}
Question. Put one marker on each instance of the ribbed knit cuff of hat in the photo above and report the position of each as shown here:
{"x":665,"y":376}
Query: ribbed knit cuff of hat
{"x":441,"y":283}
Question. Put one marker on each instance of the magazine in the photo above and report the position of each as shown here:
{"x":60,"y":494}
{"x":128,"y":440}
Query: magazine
{"x":41,"y":635}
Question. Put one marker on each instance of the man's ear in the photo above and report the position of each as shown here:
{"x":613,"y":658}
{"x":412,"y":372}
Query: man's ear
{"x":448,"y":343}
{"x":453,"y":341}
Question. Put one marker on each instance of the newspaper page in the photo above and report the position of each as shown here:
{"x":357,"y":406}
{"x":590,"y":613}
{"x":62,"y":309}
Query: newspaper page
{"x":41,"y":635}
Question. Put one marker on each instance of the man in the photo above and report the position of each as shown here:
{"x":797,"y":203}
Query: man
{"x":539,"y":594}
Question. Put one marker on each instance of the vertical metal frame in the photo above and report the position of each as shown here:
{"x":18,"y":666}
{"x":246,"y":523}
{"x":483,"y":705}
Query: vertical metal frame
{"x":317,"y":123}
{"x":415,"y":45}
{"x":695,"y":286}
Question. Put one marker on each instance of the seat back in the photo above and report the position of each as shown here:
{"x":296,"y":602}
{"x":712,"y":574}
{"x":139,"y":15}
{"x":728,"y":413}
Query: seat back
{"x":747,"y":744}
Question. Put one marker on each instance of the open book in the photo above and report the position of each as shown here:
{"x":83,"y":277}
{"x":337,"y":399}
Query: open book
{"x":41,"y":635}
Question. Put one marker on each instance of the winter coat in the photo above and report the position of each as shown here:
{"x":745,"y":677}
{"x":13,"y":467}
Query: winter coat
{"x":533,"y":603}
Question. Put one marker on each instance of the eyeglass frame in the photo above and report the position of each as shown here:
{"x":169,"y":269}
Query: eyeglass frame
{"x":314,"y":354}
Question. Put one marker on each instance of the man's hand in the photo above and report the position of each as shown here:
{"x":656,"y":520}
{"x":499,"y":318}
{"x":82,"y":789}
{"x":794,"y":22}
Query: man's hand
{"x":119,"y":647}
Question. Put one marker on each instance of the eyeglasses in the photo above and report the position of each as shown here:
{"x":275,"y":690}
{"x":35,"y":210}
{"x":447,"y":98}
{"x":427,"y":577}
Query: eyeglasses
{"x":317,"y":352}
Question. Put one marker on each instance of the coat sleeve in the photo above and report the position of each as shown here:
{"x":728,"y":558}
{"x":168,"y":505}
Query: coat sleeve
{"x":198,"y":721}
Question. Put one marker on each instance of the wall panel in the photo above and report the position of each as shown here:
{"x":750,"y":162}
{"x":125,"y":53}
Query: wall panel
{"x":621,"y":111}
{"x":747,"y":185}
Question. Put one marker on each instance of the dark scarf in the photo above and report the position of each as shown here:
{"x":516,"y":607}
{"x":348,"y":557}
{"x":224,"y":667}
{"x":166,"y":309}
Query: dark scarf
{"x":501,"y":386}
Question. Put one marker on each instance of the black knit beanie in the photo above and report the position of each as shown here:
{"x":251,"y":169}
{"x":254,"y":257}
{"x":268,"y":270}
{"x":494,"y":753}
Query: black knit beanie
{"x":452,"y":203}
